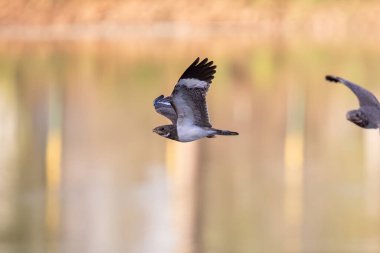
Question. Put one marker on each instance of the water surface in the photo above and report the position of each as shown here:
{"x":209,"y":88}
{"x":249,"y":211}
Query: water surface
{"x":81,"y":170}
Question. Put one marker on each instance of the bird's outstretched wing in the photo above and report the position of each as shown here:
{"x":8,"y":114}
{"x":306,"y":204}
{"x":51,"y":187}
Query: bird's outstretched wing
{"x":189,"y":94}
{"x":365,"y":97}
{"x":163,"y":106}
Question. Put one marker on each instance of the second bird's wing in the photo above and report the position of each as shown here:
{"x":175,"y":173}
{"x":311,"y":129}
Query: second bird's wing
{"x":365,"y":97}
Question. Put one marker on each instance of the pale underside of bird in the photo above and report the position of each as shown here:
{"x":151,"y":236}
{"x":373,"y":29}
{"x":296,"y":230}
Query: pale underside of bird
{"x":186,"y":107}
{"x":368,"y":114}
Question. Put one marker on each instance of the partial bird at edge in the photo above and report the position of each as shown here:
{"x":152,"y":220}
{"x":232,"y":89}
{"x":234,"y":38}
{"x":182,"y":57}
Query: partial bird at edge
{"x":368,"y":114}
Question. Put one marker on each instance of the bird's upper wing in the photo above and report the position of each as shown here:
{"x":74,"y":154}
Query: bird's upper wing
{"x":364,"y":96}
{"x":163,"y":106}
{"x":189,"y":94}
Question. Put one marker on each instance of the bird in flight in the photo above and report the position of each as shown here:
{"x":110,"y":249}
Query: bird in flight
{"x":368,"y":114}
{"x":186,"y":107}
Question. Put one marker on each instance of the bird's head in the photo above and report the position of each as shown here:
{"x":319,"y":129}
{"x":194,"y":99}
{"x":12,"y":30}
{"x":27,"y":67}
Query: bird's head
{"x":167,"y":131}
{"x":358,"y":118}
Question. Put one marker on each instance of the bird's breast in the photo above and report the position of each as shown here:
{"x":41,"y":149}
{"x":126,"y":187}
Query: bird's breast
{"x":191,"y":133}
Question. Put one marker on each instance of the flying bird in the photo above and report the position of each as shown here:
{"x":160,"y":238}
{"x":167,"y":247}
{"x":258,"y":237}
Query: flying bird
{"x":368,"y":114}
{"x":186,"y":107}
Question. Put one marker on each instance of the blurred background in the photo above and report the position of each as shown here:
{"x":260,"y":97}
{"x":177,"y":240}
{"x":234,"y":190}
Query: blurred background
{"x":81,"y":170}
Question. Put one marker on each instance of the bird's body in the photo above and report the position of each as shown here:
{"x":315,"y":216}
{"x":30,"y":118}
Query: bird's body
{"x":188,"y":133}
{"x":368,"y":114}
{"x":187,"y":108}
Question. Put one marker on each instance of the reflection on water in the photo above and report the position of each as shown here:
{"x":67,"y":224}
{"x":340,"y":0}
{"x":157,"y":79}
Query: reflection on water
{"x":81,"y":170}
{"x":294,"y":165}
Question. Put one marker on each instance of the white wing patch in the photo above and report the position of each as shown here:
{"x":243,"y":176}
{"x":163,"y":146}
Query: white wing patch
{"x":164,"y":103}
{"x":193,"y":83}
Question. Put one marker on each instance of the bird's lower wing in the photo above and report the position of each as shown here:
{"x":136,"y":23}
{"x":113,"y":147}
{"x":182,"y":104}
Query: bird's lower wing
{"x":364,"y":96}
{"x":163,"y":106}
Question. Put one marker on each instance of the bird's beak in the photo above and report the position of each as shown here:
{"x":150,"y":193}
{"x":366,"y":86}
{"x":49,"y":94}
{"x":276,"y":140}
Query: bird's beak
{"x":154,"y":131}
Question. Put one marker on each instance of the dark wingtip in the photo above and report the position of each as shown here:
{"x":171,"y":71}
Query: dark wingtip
{"x":203,"y":70}
{"x":203,"y":62}
{"x":331,"y":78}
{"x":195,"y":62}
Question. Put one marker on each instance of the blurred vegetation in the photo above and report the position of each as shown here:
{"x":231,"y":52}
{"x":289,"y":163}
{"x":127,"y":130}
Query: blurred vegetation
{"x":320,"y":19}
{"x":73,"y":11}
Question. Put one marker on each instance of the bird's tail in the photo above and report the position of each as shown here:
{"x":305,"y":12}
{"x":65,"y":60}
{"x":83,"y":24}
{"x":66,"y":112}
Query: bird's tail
{"x":225,"y":132}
